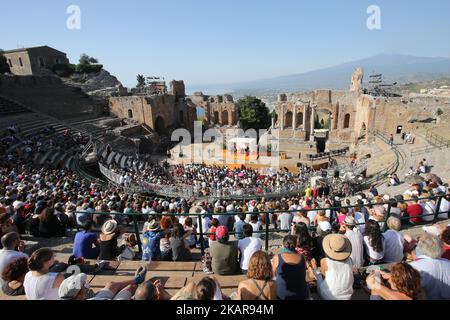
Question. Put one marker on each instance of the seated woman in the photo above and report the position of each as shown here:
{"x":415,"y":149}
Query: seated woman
{"x":290,"y":269}
{"x":224,"y":253}
{"x":164,"y":246}
{"x":108,"y":240}
{"x":188,"y":227}
{"x":373,"y":243}
{"x":402,"y":283}
{"x":342,"y":215}
{"x":214,"y":225}
{"x":13,"y":277}
{"x":322,"y":222}
{"x":335,"y":281}
{"x":180,"y":251}
{"x":306,"y":245}
{"x":209,"y":289}
{"x":49,"y":225}
{"x":39,"y":282}
{"x":86,"y":243}
{"x":259,"y":285}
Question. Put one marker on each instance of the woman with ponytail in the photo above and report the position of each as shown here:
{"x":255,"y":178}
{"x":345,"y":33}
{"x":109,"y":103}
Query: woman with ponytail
{"x":40,"y":283}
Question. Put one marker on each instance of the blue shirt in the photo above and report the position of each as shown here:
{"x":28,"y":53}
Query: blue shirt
{"x":151,"y":243}
{"x":239,"y":228}
{"x":82,"y":245}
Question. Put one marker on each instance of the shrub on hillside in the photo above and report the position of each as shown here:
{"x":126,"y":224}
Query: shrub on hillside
{"x":89,"y":68}
{"x":64,"y":70}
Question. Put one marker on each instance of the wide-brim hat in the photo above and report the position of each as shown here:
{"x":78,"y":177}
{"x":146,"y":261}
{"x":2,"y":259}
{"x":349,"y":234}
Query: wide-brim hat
{"x":337,"y":247}
{"x":195,"y":210}
{"x":153,"y":226}
{"x":109,"y":227}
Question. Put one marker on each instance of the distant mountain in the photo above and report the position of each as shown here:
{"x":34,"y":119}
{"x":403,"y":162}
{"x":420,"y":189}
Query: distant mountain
{"x":394,"y":67}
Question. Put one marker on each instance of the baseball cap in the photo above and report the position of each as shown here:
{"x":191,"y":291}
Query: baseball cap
{"x":70,"y":287}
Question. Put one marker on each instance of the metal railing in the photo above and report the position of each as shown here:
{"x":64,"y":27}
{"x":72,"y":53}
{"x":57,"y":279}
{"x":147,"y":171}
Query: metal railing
{"x":436,"y":140}
{"x":393,"y":167}
{"x":267,"y":214}
{"x":325,"y":155}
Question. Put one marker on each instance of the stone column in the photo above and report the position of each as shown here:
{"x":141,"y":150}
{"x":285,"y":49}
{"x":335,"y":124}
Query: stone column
{"x":294,"y":118}
{"x":273,"y":122}
{"x":313,"y":116}
{"x":282,"y":118}
{"x":305,"y":109}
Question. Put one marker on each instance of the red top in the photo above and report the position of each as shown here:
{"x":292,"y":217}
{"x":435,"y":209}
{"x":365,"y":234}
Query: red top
{"x":414,"y":210}
{"x":446,"y":254}
{"x":212,"y":237}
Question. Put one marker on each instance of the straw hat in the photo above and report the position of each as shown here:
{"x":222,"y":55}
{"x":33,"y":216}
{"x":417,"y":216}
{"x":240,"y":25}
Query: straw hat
{"x":109,"y":227}
{"x":153,"y":226}
{"x":337,"y":247}
{"x":350,"y":221}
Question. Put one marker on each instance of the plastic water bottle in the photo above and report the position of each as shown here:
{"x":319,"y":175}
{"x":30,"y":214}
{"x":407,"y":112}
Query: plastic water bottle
{"x":146,"y":251}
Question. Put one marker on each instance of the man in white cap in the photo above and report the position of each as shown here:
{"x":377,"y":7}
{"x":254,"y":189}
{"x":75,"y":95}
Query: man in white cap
{"x":356,"y":239}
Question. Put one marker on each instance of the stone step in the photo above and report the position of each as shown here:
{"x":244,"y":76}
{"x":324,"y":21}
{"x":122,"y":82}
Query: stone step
{"x":45,"y":156}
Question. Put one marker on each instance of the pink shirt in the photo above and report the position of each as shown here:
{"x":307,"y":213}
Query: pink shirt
{"x":341,"y":219}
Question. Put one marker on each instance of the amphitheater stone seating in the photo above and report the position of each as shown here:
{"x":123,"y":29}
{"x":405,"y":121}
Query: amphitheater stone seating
{"x":8,"y":107}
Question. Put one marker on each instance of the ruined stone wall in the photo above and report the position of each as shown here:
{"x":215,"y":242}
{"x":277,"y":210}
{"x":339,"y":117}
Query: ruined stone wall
{"x":160,"y":113}
{"x":140,"y":111}
{"x":219,"y":110}
{"x":47,"y":94}
{"x":393,"y":112}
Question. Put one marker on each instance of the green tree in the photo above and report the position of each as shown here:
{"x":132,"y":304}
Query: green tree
{"x":140,"y":80}
{"x":439,"y":112}
{"x":4,"y":67}
{"x":253,"y":114}
{"x":85,"y":59}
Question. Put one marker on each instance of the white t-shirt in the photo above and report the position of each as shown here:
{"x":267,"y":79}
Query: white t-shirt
{"x":356,"y":239}
{"x":9,"y":256}
{"x":393,"y":246}
{"x":444,"y":207}
{"x":428,"y":208}
{"x":247,"y":247}
{"x":360,"y":220}
{"x":372,"y":253}
{"x":40,"y":288}
{"x":256,"y":227}
{"x":285,"y":220}
{"x":311,"y":216}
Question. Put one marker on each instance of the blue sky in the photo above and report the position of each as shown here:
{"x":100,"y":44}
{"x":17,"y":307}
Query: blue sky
{"x":208,"y":42}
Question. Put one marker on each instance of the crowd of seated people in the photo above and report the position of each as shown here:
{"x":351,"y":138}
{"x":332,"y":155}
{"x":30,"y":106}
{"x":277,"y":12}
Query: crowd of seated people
{"x":48,"y":202}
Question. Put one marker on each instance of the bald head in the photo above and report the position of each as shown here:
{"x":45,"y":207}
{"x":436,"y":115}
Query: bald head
{"x":145,"y":291}
{"x":10,"y":240}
